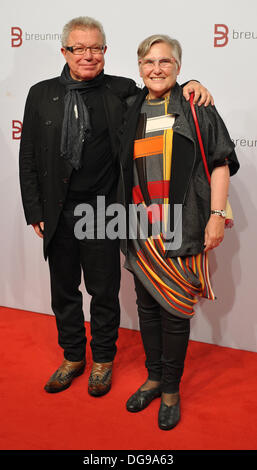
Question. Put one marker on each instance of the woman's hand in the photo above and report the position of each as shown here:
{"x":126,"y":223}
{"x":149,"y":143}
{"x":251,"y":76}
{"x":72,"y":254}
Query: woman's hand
{"x":214,"y":232}
{"x":39,"y":229}
{"x":201,"y":93}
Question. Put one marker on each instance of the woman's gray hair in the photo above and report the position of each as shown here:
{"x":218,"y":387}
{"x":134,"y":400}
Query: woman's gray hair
{"x":81,"y":22}
{"x":145,"y":46}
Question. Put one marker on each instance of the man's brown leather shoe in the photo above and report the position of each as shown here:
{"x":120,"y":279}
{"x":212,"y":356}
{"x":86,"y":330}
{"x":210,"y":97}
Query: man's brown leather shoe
{"x":100,"y":379}
{"x":63,"y":377}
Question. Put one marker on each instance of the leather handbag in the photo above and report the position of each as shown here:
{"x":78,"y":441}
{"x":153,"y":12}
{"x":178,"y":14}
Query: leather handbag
{"x":229,"y":221}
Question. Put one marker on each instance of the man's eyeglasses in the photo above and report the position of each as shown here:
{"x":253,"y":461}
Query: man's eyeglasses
{"x":79,"y":50}
{"x":163,"y":63}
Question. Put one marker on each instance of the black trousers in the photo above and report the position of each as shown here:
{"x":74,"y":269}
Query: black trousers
{"x":165,"y":340}
{"x":99,"y":260}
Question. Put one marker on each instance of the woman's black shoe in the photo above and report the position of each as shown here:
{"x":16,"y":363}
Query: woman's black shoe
{"x":169,"y":416}
{"x":142,"y":398}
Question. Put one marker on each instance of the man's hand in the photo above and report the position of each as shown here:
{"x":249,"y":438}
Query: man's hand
{"x":200,"y":92}
{"x":214,"y":232}
{"x":39,"y":229}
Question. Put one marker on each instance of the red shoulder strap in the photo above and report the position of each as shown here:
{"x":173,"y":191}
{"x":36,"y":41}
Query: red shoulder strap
{"x":199,"y":136}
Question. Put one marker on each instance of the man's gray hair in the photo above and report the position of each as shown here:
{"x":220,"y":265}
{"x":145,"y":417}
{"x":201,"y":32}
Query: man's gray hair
{"x":145,"y":46}
{"x":81,"y":22}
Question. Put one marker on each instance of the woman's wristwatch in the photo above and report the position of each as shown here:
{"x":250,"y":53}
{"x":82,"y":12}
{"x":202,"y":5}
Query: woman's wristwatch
{"x":221,"y":213}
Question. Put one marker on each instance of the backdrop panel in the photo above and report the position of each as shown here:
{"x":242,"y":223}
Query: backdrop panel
{"x":219,"y":48}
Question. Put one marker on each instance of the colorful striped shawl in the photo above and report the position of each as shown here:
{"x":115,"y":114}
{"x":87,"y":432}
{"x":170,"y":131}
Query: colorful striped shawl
{"x":173,"y":282}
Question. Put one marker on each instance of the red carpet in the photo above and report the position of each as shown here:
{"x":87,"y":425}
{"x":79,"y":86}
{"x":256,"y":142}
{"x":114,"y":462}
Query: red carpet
{"x":218,"y":396}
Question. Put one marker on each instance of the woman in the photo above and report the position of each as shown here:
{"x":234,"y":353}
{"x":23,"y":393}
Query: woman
{"x":161,"y":165}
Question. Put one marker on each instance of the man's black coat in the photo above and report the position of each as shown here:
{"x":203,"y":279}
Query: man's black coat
{"x":44,"y":174}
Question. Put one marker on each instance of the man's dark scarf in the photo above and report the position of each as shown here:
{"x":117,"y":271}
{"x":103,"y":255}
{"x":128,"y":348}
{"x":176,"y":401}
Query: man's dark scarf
{"x":76,"y":126}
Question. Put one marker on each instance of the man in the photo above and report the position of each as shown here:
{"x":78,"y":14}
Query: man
{"x":68,"y":156}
